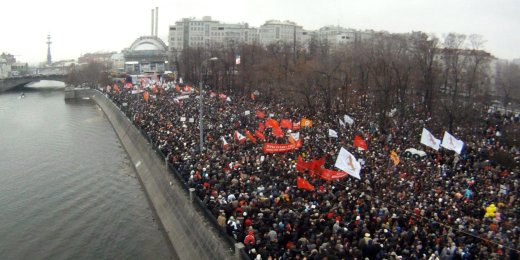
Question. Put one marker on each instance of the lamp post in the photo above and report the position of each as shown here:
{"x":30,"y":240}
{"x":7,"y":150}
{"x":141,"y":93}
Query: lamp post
{"x":201,"y":105}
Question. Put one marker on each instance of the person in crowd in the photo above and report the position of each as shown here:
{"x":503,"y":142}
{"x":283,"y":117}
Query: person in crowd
{"x":437,"y":207}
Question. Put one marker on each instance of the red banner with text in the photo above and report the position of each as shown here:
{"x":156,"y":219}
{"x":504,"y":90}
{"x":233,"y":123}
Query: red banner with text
{"x":281,"y":148}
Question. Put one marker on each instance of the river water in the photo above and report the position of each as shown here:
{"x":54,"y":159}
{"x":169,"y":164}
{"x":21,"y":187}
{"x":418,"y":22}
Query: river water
{"x":67,"y":187}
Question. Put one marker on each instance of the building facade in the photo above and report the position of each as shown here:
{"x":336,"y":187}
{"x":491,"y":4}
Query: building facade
{"x":274,"y":31}
{"x":208,"y":33}
{"x":147,"y":54}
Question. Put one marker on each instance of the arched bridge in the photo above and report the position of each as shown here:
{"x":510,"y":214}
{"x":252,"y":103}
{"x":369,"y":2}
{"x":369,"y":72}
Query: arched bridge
{"x":12,"y":82}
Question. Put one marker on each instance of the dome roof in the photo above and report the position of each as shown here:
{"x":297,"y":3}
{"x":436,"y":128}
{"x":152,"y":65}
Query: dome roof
{"x":148,"y":43}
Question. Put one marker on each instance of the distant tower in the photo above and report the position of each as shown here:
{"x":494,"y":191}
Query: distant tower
{"x":49,"y":59}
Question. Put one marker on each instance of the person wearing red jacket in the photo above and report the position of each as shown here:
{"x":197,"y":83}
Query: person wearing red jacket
{"x":250,"y":239}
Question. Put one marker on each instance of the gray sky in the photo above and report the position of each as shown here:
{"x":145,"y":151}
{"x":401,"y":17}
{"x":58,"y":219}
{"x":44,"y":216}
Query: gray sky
{"x":83,"y":26}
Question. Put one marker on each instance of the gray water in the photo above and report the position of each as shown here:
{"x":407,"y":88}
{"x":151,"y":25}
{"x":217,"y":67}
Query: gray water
{"x":67,"y":187}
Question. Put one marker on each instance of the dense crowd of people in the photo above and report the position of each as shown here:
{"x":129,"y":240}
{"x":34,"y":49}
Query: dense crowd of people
{"x":443,"y":206}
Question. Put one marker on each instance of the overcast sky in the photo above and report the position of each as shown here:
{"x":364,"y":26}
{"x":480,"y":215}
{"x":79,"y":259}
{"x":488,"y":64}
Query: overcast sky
{"x":82,"y":26}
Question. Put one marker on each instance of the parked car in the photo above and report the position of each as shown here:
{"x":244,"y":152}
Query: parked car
{"x":414,"y":153}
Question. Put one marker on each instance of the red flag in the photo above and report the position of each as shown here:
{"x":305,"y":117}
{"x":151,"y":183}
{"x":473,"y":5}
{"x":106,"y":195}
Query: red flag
{"x":260,"y":135}
{"x":116,"y":88}
{"x":286,"y":123}
{"x":250,"y":136}
{"x":304,"y":184}
{"x":146,"y":96}
{"x":296,"y":125}
{"x":317,"y":165}
{"x":302,"y":165}
{"x":239,"y":137}
{"x":277,"y":131}
{"x":314,"y":166}
{"x":271,"y":123}
{"x":331,"y":175}
{"x":260,"y":114}
{"x":225,"y":143}
{"x":359,"y":142}
{"x":178,"y":88}
{"x":253,"y":96}
{"x":261,"y":127}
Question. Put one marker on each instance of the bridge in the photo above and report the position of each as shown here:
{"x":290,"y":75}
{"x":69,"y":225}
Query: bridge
{"x":12,"y":82}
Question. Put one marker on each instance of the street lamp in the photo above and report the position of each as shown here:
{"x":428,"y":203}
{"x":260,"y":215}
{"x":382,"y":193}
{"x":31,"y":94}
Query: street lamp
{"x":201,"y":106}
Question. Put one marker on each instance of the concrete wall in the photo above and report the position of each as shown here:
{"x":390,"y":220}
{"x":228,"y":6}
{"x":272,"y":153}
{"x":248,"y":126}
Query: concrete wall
{"x":190,"y":233}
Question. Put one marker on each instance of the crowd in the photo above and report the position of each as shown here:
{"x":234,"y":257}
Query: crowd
{"x":444,"y":206}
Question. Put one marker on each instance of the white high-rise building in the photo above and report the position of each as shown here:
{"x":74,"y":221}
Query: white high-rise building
{"x":274,"y":31}
{"x":207,"y":33}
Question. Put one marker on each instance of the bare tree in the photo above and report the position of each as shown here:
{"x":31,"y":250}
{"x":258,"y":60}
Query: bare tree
{"x":425,"y":50}
{"x":508,"y":82}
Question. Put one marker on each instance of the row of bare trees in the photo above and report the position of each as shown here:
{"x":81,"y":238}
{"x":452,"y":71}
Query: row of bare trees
{"x":90,"y":75}
{"x":390,"y":74}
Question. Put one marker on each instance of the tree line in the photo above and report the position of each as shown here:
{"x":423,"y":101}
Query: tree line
{"x":393,"y":75}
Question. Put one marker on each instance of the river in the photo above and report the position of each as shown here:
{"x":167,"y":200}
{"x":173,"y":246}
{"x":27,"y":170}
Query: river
{"x":67,"y":187}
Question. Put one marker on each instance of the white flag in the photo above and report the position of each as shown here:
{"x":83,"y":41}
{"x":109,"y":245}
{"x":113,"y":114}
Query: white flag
{"x":294,"y":137}
{"x":247,"y":112}
{"x":348,"y":163}
{"x":183,"y":118}
{"x":183,"y":97}
{"x":429,"y":140}
{"x":333,"y":133}
{"x":224,"y":142}
{"x":228,"y":99}
{"x":348,"y":120}
{"x":451,"y":143}
{"x":341,"y":123}
{"x":191,"y":120}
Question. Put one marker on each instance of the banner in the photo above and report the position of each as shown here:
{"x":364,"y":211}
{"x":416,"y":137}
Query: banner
{"x":331,"y":175}
{"x":348,"y":163}
{"x":429,"y":140}
{"x":183,"y":97}
{"x":281,"y":148}
{"x":451,"y":143}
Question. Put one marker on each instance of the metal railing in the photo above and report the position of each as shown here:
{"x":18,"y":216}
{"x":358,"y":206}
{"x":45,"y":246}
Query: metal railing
{"x":197,"y":202}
